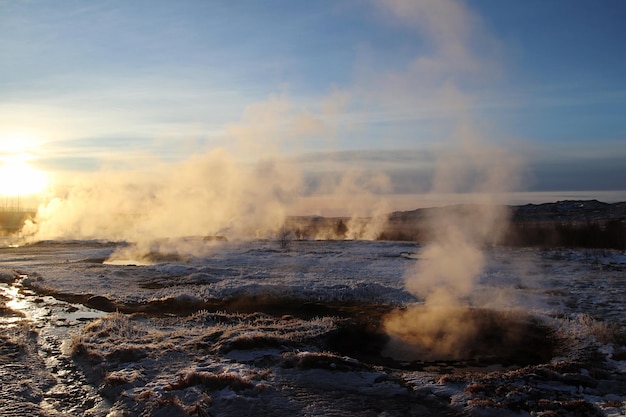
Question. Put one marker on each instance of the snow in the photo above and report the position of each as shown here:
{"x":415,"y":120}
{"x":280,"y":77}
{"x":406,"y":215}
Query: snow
{"x":264,"y":363}
{"x":310,"y":270}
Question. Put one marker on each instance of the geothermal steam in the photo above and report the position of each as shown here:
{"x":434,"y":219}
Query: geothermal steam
{"x":449,"y":266}
{"x":242,"y":194}
{"x":446,"y":275}
{"x":209,"y":194}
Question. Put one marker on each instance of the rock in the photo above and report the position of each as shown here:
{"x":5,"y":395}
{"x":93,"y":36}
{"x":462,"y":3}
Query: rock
{"x":100,"y":302}
{"x":579,"y":380}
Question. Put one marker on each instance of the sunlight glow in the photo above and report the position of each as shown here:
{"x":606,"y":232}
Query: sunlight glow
{"x":19,"y":178}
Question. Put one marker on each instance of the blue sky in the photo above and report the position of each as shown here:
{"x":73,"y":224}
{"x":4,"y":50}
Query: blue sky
{"x":332,"y":85}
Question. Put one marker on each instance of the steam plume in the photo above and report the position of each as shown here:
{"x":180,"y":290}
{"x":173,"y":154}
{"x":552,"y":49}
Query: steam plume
{"x":207,"y":194}
{"x":446,"y":276}
{"x":243,"y":193}
{"x":450,"y":264}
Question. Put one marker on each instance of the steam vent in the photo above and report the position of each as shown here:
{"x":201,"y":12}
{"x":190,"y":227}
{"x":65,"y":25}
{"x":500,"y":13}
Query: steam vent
{"x":419,"y":338}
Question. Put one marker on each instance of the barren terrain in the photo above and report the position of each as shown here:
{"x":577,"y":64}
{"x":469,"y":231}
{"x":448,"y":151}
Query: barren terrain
{"x":246,"y":328}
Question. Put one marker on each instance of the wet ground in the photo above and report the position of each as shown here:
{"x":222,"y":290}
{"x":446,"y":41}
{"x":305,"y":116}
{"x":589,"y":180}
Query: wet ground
{"x":47,"y":370}
{"x":38,"y":373}
{"x":269,"y":355}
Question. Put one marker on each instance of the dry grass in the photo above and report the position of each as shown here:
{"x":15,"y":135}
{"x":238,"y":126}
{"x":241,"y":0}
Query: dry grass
{"x":122,"y":377}
{"x":253,"y":340}
{"x":584,"y":327}
{"x":475,"y":388}
{"x":113,"y":327}
{"x":118,"y":338}
{"x":211,"y":381}
{"x":226,"y":332}
{"x":129,"y":353}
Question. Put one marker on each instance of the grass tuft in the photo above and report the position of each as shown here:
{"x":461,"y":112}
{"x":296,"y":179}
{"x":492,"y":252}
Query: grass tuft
{"x":211,"y":381}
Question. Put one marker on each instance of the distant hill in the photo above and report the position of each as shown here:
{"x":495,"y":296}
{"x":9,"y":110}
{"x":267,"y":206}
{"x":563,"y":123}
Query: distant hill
{"x":570,"y":223}
{"x":570,"y":211}
{"x":560,"y":211}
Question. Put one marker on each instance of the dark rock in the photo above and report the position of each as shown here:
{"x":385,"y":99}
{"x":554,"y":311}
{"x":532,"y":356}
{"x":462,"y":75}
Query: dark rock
{"x":579,"y":380}
{"x":100,"y":302}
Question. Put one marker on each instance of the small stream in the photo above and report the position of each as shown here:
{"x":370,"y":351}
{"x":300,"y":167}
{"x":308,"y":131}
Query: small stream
{"x":52,"y":324}
{"x":46,"y":312}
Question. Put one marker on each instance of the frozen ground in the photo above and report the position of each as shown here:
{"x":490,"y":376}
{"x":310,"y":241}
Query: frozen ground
{"x":193,"y":327}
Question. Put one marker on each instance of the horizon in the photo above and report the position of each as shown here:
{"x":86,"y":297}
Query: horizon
{"x":280,"y":108}
{"x":404,"y":202}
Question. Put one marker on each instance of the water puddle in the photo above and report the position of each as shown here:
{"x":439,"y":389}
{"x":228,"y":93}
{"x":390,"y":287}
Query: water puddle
{"x":53,"y":325}
{"x":44,"y":312}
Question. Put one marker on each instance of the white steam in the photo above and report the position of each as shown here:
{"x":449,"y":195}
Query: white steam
{"x":209,"y":194}
{"x":446,"y":277}
{"x":447,"y":273}
{"x":453,"y":259}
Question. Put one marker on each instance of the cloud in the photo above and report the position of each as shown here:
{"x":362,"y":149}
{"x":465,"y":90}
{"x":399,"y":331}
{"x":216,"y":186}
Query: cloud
{"x":407,"y":171}
{"x":599,"y":173}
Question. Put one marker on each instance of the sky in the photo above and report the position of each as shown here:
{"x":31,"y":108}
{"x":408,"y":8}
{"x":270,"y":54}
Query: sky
{"x":362,"y":96}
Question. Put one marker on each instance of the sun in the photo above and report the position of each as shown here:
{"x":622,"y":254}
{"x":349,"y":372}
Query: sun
{"x":19,"y":178}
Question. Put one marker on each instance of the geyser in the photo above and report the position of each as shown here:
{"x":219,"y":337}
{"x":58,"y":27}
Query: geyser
{"x":475,"y":335}
{"x":445,"y":338}
{"x":452,"y":324}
